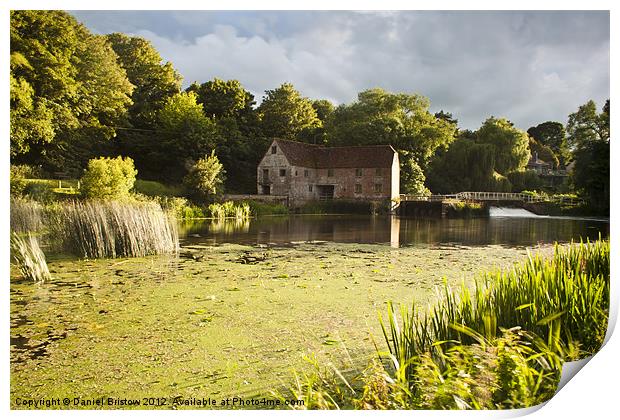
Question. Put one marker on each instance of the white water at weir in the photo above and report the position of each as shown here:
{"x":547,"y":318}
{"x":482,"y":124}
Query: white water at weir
{"x":510,"y":212}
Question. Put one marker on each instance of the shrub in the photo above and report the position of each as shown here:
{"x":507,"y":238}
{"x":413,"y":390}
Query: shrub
{"x":206,"y":178}
{"x":108,"y":178}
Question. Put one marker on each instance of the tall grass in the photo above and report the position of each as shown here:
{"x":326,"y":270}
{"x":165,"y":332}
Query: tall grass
{"x":93,"y":229}
{"x":572,"y":288}
{"x":229,"y":209}
{"x":26,"y":216}
{"x":29,"y":258}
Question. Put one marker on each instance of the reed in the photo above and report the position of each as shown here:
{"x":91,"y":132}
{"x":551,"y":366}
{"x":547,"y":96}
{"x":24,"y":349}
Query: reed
{"x":26,"y":216}
{"x":96,"y":229}
{"x":29,"y":258}
{"x":570,"y":290}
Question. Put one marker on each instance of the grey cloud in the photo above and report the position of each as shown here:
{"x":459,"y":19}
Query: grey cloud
{"x":527,"y":66}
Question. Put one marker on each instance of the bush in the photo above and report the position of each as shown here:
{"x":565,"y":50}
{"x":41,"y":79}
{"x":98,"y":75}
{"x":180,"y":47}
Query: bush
{"x":205,"y":179}
{"x":108,"y":178}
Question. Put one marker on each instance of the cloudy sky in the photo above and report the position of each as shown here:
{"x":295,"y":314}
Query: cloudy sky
{"x":527,"y":66}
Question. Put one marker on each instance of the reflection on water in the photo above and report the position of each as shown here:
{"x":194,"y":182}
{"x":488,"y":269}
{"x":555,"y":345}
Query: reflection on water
{"x":392,"y":230}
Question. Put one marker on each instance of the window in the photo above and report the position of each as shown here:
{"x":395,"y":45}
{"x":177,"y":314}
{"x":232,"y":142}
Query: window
{"x":330,"y":172}
{"x":378,"y":172}
{"x":359,"y":172}
{"x":306,"y":173}
{"x":378,"y":188}
{"x":358,"y":188}
{"x":274,"y":150}
{"x":265,"y":174}
{"x":282,"y":172}
{"x":310,"y":188}
{"x":296,"y":173}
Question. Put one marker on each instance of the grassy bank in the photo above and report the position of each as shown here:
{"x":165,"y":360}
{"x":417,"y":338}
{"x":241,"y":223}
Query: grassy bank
{"x":498,"y":345}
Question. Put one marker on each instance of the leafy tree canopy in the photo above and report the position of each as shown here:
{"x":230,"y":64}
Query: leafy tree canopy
{"x":154,"y":80}
{"x":284,"y":113}
{"x":221,"y":98}
{"x":552,"y":135}
{"x":66,"y":86}
{"x":402,"y":120}
{"x":511,"y":145}
{"x":586,"y":125}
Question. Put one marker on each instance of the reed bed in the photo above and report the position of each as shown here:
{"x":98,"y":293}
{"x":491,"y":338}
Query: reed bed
{"x":230,"y":209}
{"x":94,"y":229}
{"x":29,"y":258}
{"x":26,"y":216}
{"x":570,"y":290}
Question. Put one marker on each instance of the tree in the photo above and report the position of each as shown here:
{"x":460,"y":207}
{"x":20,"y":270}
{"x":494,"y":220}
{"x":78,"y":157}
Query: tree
{"x":154,"y":80}
{"x":284,"y":113}
{"x":221,"y":98}
{"x":413,"y":179}
{"x":544,"y":153}
{"x":67,"y":89}
{"x":586,"y":126}
{"x":589,"y":133}
{"x":401,"y":120}
{"x":511,"y":144}
{"x":323,"y":108}
{"x":206,"y":178}
{"x":552,"y":135}
{"x":184,"y":133}
{"x":108,"y":178}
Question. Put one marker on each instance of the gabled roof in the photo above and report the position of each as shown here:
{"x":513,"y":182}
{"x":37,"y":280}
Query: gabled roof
{"x":313,"y":156}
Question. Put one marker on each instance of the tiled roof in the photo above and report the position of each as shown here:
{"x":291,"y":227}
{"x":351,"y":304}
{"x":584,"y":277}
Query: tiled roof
{"x":313,"y":156}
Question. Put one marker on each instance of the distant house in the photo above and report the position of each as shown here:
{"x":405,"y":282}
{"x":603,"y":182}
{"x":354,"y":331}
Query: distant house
{"x":305,"y":172}
{"x":540,"y":166}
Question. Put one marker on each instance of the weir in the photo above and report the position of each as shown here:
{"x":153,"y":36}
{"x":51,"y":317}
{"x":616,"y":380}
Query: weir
{"x":510,"y":212}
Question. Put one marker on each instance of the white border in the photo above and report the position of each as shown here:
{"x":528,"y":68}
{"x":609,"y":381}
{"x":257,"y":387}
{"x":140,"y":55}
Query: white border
{"x":593,"y":393}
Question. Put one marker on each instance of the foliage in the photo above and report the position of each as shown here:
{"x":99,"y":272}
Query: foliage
{"x":67,"y":89}
{"x":29,"y":258}
{"x":336,"y":207}
{"x":108,"y":178}
{"x":157,"y":189}
{"x":586,"y":126}
{"x":221,"y":98}
{"x":110,"y":229}
{"x":401,"y":120}
{"x":206,"y":178}
{"x":544,"y":153}
{"x":466,"y":209}
{"x":524,"y":180}
{"x":510,"y":144}
{"x":186,"y":134}
{"x":154,"y":80}
{"x":552,"y":135}
{"x":413,"y":178}
{"x":261,"y":208}
{"x":229,"y":209}
{"x":589,"y":133}
{"x":284,"y":113}
{"x":17,"y":181}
